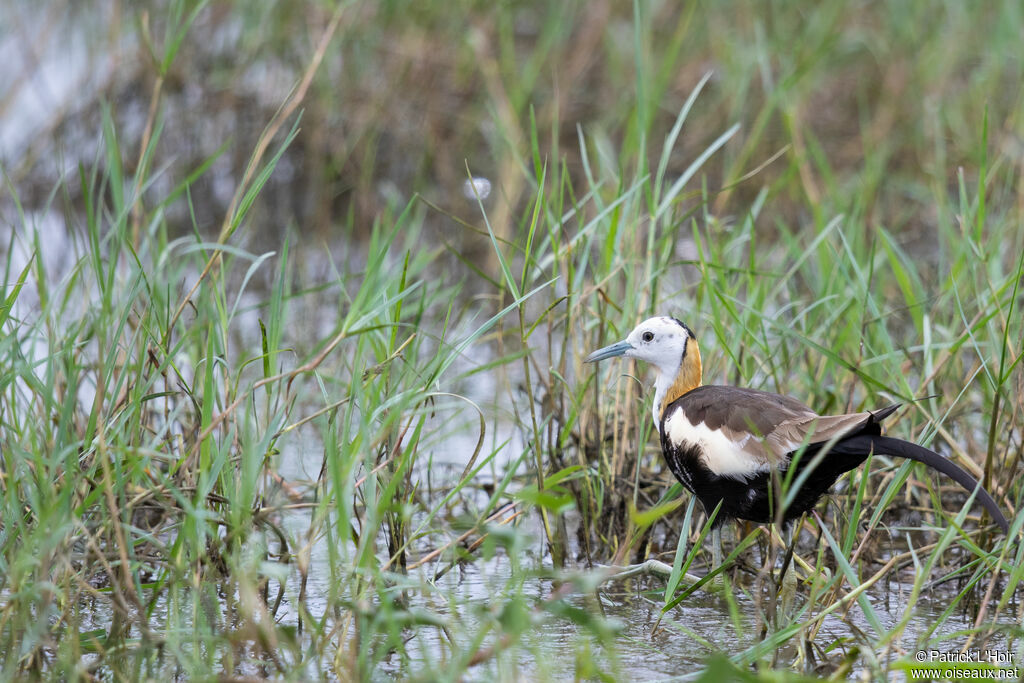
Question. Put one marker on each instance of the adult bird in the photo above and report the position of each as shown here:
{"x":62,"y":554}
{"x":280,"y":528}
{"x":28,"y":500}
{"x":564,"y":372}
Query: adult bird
{"x":726,"y":444}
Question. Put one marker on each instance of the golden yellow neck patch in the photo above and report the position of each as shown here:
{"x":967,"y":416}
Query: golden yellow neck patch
{"x":689,"y":377}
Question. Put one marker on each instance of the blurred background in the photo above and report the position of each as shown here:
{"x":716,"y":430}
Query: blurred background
{"x":457,"y":201}
{"x":872,"y":105}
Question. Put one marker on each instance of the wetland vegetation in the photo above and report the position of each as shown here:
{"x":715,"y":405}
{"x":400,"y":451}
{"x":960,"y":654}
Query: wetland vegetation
{"x":282,"y":395}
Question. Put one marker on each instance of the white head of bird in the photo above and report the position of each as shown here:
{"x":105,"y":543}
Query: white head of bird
{"x":671,"y":347}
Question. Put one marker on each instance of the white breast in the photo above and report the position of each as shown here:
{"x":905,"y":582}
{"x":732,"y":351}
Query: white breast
{"x":722,"y":455}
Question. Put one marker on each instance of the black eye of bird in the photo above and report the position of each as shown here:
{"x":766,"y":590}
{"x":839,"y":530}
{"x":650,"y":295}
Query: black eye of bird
{"x":647,"y":336}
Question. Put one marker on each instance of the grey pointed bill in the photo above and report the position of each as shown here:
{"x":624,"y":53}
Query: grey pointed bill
{"x":611,"y":351}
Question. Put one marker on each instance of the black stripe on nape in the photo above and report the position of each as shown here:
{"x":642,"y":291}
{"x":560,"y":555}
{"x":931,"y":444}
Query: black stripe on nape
{"x":686,"y":345}
{"x":685,"y":327}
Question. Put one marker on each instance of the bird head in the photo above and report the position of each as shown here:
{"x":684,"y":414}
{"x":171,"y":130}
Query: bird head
{"x":659,"y":341}
{"x":671,"y":347}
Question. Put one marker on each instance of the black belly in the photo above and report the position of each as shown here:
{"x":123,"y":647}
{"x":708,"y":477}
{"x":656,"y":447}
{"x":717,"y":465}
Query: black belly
{"x":756,"y":499}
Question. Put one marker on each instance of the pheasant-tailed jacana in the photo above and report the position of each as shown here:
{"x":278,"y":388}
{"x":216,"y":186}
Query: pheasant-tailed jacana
{"x":724,"y":443}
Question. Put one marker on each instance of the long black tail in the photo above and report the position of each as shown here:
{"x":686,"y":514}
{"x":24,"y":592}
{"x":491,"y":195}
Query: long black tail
{"x":887,"y":445}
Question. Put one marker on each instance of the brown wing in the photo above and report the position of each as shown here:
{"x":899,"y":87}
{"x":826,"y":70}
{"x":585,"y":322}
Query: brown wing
{"x":790,"y":435}
{"x":766,"y":425}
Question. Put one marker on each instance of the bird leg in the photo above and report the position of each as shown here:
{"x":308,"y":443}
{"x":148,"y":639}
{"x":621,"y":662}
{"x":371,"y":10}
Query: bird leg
{"x":788,"y":578}
{"x":716,"y":547}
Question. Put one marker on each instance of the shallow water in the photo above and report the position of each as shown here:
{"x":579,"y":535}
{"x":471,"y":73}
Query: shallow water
{"x":646,"y":649}
{"x":648,"y":645}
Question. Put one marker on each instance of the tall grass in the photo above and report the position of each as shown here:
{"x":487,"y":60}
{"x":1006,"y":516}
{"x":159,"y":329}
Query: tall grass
{"x":219,"y":461}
